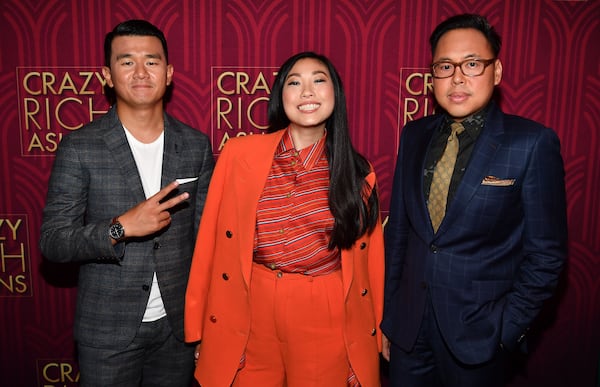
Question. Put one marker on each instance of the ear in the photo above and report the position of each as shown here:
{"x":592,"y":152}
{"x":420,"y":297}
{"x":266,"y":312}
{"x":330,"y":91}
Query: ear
{"x":107,"y":76}
{"x":497,"y":72}
{"x":169,"y":74}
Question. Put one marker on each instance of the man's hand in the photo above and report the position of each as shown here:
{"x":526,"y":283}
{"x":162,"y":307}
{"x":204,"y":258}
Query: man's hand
{"x":196,"y":353}
{"x":151,"y":215}
{"x":385,"y":347}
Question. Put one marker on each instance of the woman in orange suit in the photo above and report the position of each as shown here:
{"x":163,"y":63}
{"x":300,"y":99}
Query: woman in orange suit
{"x":286,"y":284}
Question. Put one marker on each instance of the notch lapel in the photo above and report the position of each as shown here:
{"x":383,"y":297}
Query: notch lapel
{"x":251,"y":171}
{"x":484,"y":152}
{"x":117,"y":143}
{"x":171,"y":153}
{"x":415,"y":153}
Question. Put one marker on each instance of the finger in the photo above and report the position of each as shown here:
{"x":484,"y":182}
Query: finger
{"x":386,"y":348}
{"x":386,"y":355}
{"x":163,"y":193}
{"x":164,"y":217}
{"x":174,"y":201}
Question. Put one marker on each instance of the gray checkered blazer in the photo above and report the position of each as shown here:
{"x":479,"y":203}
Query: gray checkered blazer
{"x":95,"y":178}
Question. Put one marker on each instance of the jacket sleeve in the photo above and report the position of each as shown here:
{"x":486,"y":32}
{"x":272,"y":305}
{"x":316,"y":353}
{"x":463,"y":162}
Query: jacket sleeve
{"x":396,"y":237}
{"x":69,"y":232}
{"x":544,"y":238}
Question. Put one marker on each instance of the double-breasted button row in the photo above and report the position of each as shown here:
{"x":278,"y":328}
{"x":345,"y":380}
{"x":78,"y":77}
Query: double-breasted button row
{"x":213,"y":318}
{"x":373,"y":332}
{"x":228,"y":234}
{"x":364,"y":292}
{"x":363,"y":245}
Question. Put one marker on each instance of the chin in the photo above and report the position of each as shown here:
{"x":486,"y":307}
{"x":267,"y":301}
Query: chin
{"x":460,"y":113}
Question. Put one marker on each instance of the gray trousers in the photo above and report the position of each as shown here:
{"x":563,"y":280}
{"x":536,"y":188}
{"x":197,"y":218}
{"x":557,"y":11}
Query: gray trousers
{"x":154,"y":358}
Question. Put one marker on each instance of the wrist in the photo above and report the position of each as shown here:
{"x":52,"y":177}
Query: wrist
{"x":116,"y":231}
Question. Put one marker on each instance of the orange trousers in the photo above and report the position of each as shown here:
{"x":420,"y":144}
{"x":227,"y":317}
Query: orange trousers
{"x":296,"y":336}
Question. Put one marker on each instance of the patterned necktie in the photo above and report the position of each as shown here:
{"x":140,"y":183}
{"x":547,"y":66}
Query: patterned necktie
{"x":438,"y":193}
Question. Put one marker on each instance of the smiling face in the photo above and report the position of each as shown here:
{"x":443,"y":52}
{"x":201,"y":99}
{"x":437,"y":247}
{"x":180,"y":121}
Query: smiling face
{"x":138,"y":71}
{"x":460,"y":95}
{"x":308,"y":95}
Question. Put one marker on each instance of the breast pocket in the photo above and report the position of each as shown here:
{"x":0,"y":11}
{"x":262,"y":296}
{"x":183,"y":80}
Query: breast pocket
{"x":492,"y":207}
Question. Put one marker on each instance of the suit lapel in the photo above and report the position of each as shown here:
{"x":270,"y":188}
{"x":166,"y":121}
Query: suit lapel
{"x":484,"y":152}
{"x":252,"y":167}
{"x":415,"y":155}
{"x":171,"y":155}
{"x":116,"y":141}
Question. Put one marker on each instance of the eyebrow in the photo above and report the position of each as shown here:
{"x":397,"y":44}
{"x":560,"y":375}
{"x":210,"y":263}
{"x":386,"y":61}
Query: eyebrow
{"x":466,"y":57}
{"x":313,"y":73}
{"x":151,"y":56}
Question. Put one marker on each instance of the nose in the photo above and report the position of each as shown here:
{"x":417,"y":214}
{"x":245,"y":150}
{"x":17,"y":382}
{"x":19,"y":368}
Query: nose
{"x":307,"y":91}
{"x":140,"y":71}
{"x":458,"y":77}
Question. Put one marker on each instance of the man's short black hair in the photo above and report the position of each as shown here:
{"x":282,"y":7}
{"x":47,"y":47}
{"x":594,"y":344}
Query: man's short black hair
{"x":134,"y":27}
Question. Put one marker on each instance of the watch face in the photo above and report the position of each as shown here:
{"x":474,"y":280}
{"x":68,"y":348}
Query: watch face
{"x":116,"y":231}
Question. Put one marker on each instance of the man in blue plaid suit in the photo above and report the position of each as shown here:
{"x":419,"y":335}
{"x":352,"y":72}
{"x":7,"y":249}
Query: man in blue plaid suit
{"x":460,"y":295}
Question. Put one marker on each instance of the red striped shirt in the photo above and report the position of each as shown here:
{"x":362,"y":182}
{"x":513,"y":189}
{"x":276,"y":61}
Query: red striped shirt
{"x":293,"y":222}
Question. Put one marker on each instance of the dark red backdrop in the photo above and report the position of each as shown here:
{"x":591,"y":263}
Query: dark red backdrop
{"x":224,"y":53}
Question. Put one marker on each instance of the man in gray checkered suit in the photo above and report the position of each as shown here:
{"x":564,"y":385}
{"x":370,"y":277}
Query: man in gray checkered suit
{"x":124,"y":201}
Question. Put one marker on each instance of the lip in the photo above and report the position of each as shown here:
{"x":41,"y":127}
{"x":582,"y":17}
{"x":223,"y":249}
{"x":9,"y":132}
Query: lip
{"x":141,"y":86}
{"x":309,"y":107}
{"x":458,"y":97}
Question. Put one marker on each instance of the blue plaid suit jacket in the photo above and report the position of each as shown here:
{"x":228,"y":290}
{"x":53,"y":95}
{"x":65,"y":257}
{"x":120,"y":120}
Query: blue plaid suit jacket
{"x":498,"y":252}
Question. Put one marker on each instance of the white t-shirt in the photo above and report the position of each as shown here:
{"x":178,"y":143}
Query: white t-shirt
{"x":148,"y":158}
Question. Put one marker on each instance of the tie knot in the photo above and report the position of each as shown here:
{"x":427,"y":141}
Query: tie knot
{"x":457,"y":128}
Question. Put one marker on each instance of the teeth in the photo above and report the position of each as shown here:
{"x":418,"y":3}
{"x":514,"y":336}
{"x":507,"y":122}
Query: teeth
{"x":311,"y":106}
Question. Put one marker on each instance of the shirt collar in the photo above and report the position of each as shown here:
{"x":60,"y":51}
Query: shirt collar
{"x":473,"y":123}
{"x":308,"y":156}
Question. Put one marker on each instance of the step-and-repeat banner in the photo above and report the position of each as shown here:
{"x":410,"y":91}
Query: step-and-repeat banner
{"x":225,"y":55}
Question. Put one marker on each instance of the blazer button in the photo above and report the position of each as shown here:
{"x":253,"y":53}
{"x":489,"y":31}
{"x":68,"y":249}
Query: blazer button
{"x":228,"y":234}
{"x":433,"y":249}
{"x":225,"y":276}
{"x":213,"y":318}
{"x":156,"y":245}
{"x":363,"y":245}
{"x":364,"y":292}
{"x":145,"y":288}
{"x":373,"y":332}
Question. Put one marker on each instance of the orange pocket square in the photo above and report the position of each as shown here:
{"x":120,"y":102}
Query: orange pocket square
{"x":497,"y":182}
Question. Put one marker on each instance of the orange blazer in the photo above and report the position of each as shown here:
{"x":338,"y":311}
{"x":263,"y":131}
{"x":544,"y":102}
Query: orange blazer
{"x":217,"y":309}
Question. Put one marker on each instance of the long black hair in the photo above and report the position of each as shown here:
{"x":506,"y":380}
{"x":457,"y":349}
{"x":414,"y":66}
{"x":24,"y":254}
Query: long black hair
{"x":355,"y":206}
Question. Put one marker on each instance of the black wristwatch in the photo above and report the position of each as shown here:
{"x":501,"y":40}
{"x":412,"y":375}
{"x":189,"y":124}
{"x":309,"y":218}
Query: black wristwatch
{"x":116,"y":230}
